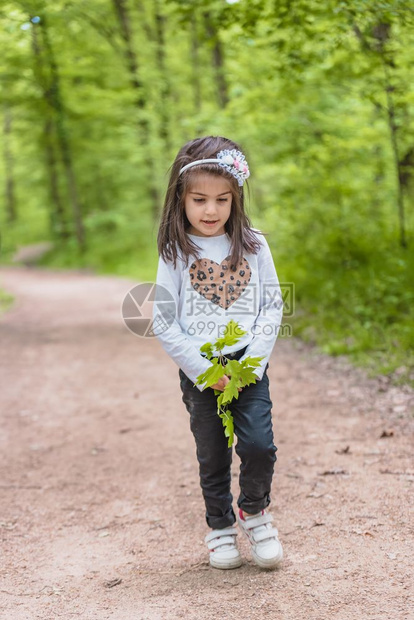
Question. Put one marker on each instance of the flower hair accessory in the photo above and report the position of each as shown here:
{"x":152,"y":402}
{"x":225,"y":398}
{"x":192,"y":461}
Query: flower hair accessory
{"x":232,"y":160}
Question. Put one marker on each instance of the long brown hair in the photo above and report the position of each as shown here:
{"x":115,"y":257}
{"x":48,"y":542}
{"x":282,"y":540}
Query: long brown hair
{"x":172,"y":238}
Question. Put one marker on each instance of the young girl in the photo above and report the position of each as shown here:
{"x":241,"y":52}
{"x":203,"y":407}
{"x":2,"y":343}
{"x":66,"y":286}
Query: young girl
{"x":217,"y":268}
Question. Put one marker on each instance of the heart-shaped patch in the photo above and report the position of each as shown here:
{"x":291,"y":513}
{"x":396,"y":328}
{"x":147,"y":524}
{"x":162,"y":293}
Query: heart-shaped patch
{"x":217,"y":282}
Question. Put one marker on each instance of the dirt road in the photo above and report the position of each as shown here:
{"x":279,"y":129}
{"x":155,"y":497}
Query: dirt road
{"x":101,"y":515}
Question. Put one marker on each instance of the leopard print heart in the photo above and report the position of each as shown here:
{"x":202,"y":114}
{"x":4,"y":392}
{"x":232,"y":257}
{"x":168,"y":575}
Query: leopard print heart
{"x":218,"y":283}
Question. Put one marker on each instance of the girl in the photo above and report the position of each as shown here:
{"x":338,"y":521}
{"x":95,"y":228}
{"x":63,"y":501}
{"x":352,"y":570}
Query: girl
{"x":217,"y":268}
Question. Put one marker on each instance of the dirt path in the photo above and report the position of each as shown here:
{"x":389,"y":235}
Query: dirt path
{"x":99,"y":479}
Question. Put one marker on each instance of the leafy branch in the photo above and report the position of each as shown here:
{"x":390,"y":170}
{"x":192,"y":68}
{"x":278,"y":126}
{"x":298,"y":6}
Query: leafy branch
{"x":241,"y":374}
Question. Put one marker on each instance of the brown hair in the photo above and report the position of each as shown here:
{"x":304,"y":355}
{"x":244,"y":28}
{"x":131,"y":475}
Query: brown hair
{"x":172,"y":238}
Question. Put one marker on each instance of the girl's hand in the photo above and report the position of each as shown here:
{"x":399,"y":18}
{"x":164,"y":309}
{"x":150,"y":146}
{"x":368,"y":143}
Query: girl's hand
{"x":221,"y":384}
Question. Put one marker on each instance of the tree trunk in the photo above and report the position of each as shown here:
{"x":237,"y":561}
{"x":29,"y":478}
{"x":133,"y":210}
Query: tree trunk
{"x":58,"y":224}
{"x":53,"y":96}
{"x":195,"y":57}
{"x":63,"y":139}
{"x":131,"y":60}
{"x":218,"y":60}
{"x":394,"y":142}
{"x":407,"y":168}
{"x":165,"y":89}
{"x":10,"y":197}
{"x":382,"y":33}
{"x":122,"y":13}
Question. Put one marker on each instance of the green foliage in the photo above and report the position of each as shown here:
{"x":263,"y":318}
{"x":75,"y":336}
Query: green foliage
{"x":240,"y":374}
{"x":320,"y":95}
{"x":365,"y":312}
{"x":232,"y":334}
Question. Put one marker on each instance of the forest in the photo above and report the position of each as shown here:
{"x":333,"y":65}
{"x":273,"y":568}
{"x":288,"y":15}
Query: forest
{"x":98,"y":96}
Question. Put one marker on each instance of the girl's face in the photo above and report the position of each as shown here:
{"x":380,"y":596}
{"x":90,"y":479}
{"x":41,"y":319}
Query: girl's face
{"x":208,"y":205}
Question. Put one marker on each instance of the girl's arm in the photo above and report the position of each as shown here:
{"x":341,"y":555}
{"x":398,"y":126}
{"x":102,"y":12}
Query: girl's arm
{"x":269,"y":318}
{"x":173,"y":340}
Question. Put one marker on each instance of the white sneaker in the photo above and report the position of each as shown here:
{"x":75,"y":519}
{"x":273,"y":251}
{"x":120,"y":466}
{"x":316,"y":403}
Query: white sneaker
{"x":266,"y":549}
{"x":223,"y":548}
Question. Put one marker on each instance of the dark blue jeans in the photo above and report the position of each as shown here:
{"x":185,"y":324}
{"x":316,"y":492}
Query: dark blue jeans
{"x":255,"y":447}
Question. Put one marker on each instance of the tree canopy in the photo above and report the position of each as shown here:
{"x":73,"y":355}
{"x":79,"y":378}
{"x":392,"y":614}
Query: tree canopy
{"x":98,"y":96}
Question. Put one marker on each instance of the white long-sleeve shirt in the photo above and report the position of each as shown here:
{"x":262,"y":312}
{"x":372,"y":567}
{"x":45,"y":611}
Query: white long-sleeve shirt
{"x":194,"y":303}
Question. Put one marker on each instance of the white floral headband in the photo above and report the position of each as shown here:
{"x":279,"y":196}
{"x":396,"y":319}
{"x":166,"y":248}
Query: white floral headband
{"x":233,"y":161}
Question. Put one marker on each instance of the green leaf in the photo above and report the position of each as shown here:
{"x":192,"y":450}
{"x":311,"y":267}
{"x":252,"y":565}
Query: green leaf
{"x":252,"y":361}
{"x":219,"y":400}
{"x":232,"y":334}
{"x":228,"y":424}
{"x":211,"y":375}
{"x":207,"y":349}
{"x":247,"y":376}
{"x":233,"y":368}
{"x":231,"y":390}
